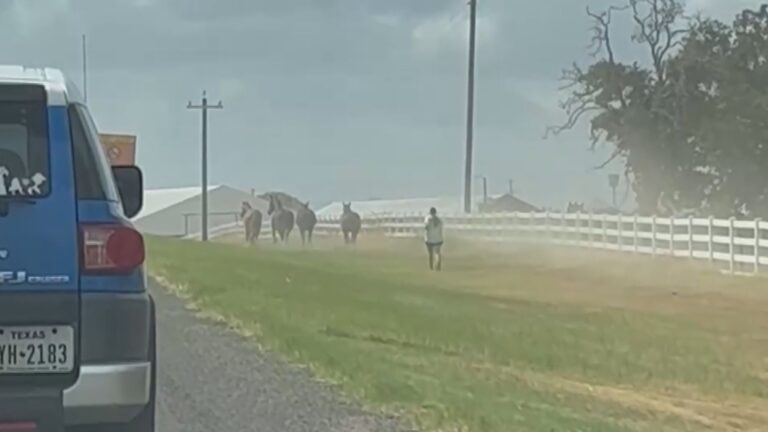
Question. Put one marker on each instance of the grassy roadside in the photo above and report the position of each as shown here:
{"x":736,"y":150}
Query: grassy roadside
{"x":503,"y":340}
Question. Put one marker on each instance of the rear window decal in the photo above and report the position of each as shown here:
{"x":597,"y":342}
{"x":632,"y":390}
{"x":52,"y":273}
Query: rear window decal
{"x":20,"y":186}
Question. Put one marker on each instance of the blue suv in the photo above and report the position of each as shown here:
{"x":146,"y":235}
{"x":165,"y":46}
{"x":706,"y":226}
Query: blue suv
{"x":77,"y":325}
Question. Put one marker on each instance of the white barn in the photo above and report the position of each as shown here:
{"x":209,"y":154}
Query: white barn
{"x":176,"y":211}
{"x":407,"y":206}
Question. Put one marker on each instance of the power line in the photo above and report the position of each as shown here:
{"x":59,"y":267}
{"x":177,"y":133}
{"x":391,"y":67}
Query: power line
{"x":204,"y":107}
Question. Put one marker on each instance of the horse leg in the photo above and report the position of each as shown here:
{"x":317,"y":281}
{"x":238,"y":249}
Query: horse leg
{"x":303,"y":240}
{"x":274,"y":235}
{"x":309,"y":236}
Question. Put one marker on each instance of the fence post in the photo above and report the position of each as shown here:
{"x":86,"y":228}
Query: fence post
{"x":620,"y":229}
{"x":757,"y":246}
{"x":589,"y":227}
{"x":563,"y":228}
{"x":546,"y":226}
{"x":690,"y":237}
{"x":671,"y":236}
{"x":653,"y":235}
{"x":604,"y":222}
{"x":711,"y":240}
{"x":577,"y":225}
{"x":635,"y":240}
{"x":732,"y":247}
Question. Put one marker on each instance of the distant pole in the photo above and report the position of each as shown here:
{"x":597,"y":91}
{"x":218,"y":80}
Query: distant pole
{"x":85,"y":71}
{"x":511,"y":187}
{"x":470,"y":107}
{"x":485,"y":188}
{"x":613,"y":182}
{"x":204,"y":107}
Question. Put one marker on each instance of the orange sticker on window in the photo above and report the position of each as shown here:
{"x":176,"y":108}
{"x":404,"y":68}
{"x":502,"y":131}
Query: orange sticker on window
{"x":120,"y":149}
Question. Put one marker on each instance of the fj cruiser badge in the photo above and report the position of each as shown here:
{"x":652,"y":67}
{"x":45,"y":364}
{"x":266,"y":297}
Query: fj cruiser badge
{"x":20,"y":277}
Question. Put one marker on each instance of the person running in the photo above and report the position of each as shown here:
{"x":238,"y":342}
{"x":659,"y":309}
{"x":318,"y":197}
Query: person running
{"x":433,"y":238}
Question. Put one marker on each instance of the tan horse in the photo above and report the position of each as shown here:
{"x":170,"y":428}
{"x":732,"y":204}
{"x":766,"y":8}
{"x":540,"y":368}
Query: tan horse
{"x":252,"y":219}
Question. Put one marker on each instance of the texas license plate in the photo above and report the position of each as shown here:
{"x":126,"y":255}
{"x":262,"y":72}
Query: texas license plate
{"x":36,"y":349}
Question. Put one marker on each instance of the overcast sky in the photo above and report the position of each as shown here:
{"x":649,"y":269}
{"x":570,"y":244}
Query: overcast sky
{"x":328,"y":99}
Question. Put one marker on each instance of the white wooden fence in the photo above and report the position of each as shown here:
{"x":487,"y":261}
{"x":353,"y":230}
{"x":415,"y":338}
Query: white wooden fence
{"x":738,"y":245}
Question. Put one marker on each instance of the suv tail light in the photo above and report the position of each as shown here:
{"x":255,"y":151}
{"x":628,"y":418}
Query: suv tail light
{"x":111,"y":248}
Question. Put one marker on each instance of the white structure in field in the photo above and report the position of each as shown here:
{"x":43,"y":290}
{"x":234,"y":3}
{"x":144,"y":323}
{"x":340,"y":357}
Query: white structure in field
{"x":446,"y":206}
{"x":176,"y":211}
{"x":408,"y":206}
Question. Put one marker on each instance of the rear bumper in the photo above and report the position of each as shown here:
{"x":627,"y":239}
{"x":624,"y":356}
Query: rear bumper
{"x":108,"y":393}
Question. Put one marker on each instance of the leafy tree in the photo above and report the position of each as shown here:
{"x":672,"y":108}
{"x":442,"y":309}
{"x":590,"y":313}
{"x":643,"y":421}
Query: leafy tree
{"x":690,"y":126}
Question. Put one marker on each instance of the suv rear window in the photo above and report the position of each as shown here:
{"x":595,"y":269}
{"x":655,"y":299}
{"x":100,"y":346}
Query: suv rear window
{"x":24,"y":148}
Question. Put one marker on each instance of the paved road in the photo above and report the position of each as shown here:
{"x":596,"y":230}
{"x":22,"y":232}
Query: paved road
{"x":213,"y":380}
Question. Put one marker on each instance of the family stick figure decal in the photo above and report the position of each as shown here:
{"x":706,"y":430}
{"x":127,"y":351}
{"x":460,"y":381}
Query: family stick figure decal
{"x":20,"y":186}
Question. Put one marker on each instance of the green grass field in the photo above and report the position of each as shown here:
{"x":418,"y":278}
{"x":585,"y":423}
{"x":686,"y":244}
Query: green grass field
{"x":505,"y":338}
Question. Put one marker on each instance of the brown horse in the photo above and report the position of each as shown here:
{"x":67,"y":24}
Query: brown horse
{"x":282,"y":219}
{"x":350,"y":224}
{"x":306,"y":221}
{"x":252,"y":219}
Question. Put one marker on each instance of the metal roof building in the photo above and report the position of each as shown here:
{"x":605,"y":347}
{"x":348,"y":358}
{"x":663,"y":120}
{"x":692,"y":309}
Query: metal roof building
{"x":176,"y":211}
{"x":386,"y":207}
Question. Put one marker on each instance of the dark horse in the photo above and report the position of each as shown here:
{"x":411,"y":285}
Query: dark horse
{"x":350,"y":224}
{"x":252,"y":219}
{"x":306,"y":221}
{"x":282,"y":219}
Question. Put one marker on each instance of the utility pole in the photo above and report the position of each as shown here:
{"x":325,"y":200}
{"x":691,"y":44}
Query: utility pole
{"x":85,"y":72}
{"x":470,"y":107}
{"x":204,"y":107}
{"x":511,"y":187}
